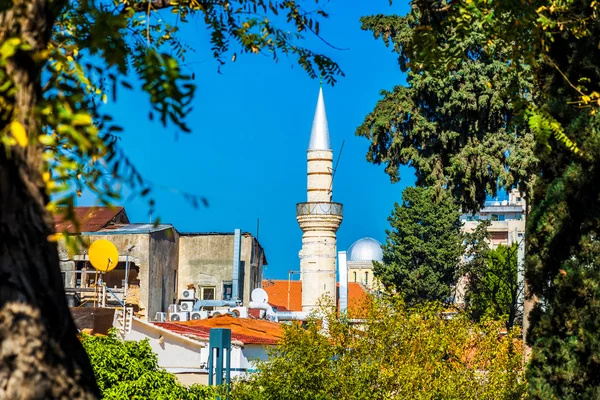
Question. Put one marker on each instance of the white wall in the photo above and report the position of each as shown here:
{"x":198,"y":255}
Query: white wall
{"x":181,"y":355}
{"x":175,"y":351}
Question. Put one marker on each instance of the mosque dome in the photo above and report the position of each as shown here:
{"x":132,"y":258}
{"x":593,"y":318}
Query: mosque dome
{"x":365,"y":249}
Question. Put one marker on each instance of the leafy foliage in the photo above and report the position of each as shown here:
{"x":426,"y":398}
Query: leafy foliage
{"x":423,"y":247}
{"x":457,"y":128}
{"x":82,"y":68}
{"x":493,"y":288}
{"x":396,"y":353}
{"x":557,"y":41}
{"x":129,"y":369}
{"x":533,"y":31}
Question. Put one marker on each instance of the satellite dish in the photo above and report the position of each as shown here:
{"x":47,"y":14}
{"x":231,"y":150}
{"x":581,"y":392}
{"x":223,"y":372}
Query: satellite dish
{"x":259,"y":295}
{"x":103,"y":255}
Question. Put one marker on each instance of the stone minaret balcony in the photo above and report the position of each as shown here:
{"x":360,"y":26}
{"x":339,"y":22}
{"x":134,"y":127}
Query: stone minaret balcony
{"x":319,"y":215}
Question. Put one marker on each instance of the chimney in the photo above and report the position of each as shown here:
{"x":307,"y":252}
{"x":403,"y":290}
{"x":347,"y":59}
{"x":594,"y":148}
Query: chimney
{"x":343,"y":273}
{"x":237,"y":248}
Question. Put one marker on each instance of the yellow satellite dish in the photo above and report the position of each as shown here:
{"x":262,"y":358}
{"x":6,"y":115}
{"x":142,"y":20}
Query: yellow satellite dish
{"x":103,"y":255}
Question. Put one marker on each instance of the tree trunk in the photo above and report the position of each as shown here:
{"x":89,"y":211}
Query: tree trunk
{"x":40,"y":354}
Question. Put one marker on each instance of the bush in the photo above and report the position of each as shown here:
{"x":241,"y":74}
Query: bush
{"x":129,"y":370}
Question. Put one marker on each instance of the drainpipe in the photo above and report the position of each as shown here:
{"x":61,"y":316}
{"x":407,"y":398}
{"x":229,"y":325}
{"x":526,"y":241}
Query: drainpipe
{"x":264,"y":306}
{"x":235,"y":285}
{"x":343,"y":270}
{"x":279,"y":315}
{"x":213,"y":303}
{"x":292,"y":315}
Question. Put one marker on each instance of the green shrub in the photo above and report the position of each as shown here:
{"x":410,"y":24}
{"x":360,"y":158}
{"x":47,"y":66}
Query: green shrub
{"x":129,"y":370}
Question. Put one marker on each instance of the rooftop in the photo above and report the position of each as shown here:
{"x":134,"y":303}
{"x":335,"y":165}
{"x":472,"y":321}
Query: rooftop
{"x":91,"y":219}
{"x":130,"y":229}
{"x":365,"y":249}
{"x":245,"y":330}
{"x":278,"y":295}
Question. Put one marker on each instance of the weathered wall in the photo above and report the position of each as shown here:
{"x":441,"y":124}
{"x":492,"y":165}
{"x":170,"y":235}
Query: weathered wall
{"x":139,"y":255}
{"x":164,"y":250}
{"x":155,"y":254}
{"x":206,"y":260}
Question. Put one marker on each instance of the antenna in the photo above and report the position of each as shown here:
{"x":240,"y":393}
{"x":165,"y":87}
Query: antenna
{"x":259,"y":295}
{"x":335,"y":168}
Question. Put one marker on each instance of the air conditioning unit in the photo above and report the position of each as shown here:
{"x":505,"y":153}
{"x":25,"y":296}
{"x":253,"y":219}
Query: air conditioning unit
{"x":196,"y":315}
{"x":188,"y":294}
{"x":173,"y":308}
{"x":160,"y":317}
{"x":217,"y":313}
{"x":186,"y":306}
{"x":179,"y":316}
{"x":239,"y":312}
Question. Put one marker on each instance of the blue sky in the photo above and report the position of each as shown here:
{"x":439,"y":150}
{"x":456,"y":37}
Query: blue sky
{"x":250,"y":130}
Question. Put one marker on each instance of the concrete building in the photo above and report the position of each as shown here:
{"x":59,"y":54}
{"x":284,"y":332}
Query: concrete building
{"x":162,"y":263}
{"x":507,"y":217}
{"x":319,"y":218}
{"x":206,"y":260}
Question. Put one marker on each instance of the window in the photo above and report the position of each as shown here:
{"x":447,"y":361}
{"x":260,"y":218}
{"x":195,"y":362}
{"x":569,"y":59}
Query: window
{"x":207,"y":293}
{"x":366,"y":278}
{"x":175,"y":281}
{"x":494,"y":217}
{"x":354,"y":276}
{"x":501,"y":217}
{"x":227,"y":290}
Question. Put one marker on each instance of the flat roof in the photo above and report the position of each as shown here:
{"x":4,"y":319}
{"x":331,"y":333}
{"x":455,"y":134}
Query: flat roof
{"x":130,"y":229}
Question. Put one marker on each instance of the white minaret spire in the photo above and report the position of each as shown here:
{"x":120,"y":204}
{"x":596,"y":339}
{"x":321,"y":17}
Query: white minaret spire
{"x":319,"y":135}
{"x":319,"y":218}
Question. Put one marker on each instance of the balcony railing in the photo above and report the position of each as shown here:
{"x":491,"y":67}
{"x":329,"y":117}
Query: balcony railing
{"x":316,"y":208}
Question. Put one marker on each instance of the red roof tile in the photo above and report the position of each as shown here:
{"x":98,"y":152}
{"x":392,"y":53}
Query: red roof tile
{"x":247,"y":331}
{"x":91,"y":219}
{"x":278,"y":296}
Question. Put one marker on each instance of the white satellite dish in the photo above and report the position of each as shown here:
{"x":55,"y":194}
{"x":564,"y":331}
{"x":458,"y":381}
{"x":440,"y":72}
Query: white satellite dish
{"x":259,"y":295}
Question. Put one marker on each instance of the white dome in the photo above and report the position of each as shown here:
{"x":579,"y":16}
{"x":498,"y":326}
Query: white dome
{"x":365,"y":249}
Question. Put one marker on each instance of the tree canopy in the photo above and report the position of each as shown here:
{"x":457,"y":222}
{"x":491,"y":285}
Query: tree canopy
{"x":556,"y":42}
{"x":423,"y":247}
{"x":457,"y":128}
{"x":395,"y":353}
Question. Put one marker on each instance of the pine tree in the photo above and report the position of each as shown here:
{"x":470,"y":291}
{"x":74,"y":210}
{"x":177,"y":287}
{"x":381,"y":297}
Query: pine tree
{"x":423,"y":247}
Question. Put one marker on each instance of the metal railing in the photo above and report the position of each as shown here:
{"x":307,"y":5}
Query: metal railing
{"x":97,"y":292}
{"x":318,"y":208}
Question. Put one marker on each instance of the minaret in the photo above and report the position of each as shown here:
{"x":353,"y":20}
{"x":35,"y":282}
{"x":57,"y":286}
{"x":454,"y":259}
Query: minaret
{"x":319,"y":218}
